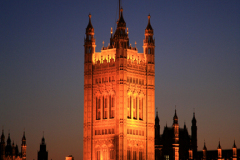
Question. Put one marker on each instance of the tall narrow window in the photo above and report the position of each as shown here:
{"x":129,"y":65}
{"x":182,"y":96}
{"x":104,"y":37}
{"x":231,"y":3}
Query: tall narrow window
{"x":110,"y":106}
{"x":134,"y":109}
{"x":113,"y":107}
{"x":141,"y":108}
{"x":129,"y":106}
{"x":134,"y":155}
{"x":149,"y":50}
{"x":98,"y":109}
{"x":98,"y":155}
{"x":128,"y":154}
{"x":105,"y":108}
{"x":90,"y":50}
{"x":140,"y":155}
{"x":111,"y":154}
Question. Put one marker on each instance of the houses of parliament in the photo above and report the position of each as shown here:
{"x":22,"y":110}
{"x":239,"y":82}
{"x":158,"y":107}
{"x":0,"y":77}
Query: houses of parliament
{"x":119,"y":105}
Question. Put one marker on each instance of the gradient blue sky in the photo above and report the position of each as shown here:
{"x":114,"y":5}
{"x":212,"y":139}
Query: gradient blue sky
{"x":41,"y":66}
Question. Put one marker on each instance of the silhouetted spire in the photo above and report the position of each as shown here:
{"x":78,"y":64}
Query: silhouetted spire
{"x":219,"y":146}
{"x":2,"y":137}
{"x":175,"y":118}
{"x":89,"y":23}
{"x":24,"y":139}
{"x":204,"y":147}
{"x":8,"y":140}
{"x":121,"y":21}
{"x":234,"y":145}
{"x":149,"y":27}
{"x":194,"y":119}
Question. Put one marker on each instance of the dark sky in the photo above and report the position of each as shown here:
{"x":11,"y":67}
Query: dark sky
{"x":41,"y":66}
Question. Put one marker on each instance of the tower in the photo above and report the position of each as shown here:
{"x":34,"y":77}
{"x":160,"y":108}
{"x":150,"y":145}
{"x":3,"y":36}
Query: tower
{"x":24,"y":147}
{"x":234,"y":157}
{"x":204,"y":152}
{"x":119,"y":96}
{"x":42,"y":153}
{"x":219,"y":151}
{"x":175,"y":137}
{"x":2,"y":146}
{"x":194,"y":136}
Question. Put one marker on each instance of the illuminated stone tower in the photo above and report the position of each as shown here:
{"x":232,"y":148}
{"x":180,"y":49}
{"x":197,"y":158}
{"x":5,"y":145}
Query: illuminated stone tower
{"x":119,"y":96}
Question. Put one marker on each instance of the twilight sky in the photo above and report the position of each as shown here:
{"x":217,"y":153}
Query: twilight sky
{"x":41,"y":67}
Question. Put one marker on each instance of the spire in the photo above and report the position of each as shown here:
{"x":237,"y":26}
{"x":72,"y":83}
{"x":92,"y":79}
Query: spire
{"x":149,"y":27}
{"x":175,"y":118}
{"x":194,"y":119}
{"x":2,"y":137}
{"x":9,"y":139}
{"x":219,"y":146}
{"x":89,"y":23}
{"x":234,"y":145}
{"x":204,"y":147}
{"x":121,"y":21}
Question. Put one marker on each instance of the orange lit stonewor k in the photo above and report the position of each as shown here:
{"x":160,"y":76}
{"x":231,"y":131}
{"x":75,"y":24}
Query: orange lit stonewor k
{"x":119,"y":96}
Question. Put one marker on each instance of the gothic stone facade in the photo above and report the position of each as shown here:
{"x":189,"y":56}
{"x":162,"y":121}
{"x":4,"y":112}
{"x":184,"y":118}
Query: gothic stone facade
{"x":119,"y":97}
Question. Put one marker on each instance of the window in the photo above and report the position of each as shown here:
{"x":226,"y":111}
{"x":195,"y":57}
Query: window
{"x":135,"y":108}
{"x":98,"y":109}
{"x":128,"y":154}
{"x":133,"y":80}
{"x":141,"y":108}
{"x":140,"y":155}
{"x":95,"y":132}
{"x":166,"y":157}
{"x":106,"y":79}
{"x":136,"y":132}
{"x":127,"y":131}
{"x":96,"y":81}
{"x":89,"y":37}
{"x":90,"y":50}
{"x":129,"y":107}
{"x":102,"y":80}
{"x":134,"y":155}
{"x":105,"y":131}
{"x":109,"y":131}
{"x":111,"y":154}
{"x":99,"y":80}
{"x":136,"y":81}
{"x":113,"y":78}
{"x":112,"y":131}
{"x":130,"y":79}
{"x":149,"y":38}
{"x":98,"y":155}
{"x":127,"y":79}
{"x":109,"y":79}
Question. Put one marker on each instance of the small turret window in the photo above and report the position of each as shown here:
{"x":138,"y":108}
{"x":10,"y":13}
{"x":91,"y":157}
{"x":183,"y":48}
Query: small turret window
{"x":149,"y":39}
{"x":149,"y":51}
{"x":90,"y":50}
{"x":89,"y":37}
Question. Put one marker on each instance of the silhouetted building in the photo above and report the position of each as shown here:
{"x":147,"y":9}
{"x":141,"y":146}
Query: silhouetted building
{"x":10,"y":151}
{"x":175,"y":143}
{"x":43,"y":153}
{"x":219,"y":154}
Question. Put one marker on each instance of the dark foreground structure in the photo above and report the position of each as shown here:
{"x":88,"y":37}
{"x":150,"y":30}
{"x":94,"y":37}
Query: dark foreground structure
{"x":176,"y":144}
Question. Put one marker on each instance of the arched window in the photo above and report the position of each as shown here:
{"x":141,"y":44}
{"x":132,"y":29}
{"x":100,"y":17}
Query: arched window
{"x":149,"y":50}
{"x":90,"y":50}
